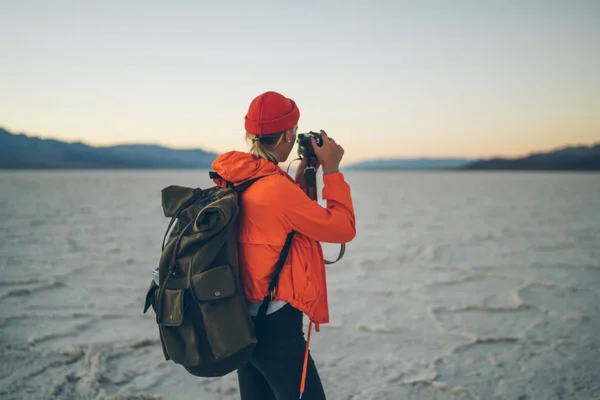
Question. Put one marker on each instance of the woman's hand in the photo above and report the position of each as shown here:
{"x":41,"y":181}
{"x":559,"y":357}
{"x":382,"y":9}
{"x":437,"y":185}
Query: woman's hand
{"x":329,"y":154}
{"x":299,"y":178}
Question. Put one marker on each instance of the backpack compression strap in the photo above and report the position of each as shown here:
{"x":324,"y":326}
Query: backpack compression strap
{"x":262,"y":311}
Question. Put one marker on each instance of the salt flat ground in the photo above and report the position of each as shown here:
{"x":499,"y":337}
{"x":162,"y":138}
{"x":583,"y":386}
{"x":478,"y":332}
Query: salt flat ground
{"x":457,"y":286}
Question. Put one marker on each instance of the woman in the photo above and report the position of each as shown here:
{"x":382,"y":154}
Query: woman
{"x":269,"y":209}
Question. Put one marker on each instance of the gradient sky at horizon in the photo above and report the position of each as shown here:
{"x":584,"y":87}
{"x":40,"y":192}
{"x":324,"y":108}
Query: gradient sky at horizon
{"x":385,"y":78}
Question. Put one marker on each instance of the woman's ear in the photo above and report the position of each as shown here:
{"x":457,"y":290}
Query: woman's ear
{"x":289,"y":135}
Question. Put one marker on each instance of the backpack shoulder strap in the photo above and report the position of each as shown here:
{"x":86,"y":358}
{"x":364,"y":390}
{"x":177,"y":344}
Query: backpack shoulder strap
{"x":262,"y":311}
{"x":243,"y":186}
{"x":214,"y":175}
{"x":239,"y":188}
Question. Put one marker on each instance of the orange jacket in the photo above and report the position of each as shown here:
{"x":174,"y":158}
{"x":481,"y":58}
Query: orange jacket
{"x":271,"y":208}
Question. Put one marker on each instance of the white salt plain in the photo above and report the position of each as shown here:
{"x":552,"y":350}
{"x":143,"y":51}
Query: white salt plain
{"x":457,"y":286}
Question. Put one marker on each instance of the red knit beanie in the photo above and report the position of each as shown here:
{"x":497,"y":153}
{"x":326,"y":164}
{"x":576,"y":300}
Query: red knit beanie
{"x":271,"y":113}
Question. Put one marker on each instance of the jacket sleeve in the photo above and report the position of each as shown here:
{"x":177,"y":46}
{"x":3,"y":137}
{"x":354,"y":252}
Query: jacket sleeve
{"x":332,"y":224}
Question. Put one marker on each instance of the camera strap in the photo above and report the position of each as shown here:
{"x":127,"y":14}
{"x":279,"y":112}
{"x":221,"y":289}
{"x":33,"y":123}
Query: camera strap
{"x":340,"y":255}
{"x":310,"y":177}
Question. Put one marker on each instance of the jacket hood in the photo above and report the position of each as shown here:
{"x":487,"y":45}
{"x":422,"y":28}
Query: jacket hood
{"x":238,"y":167}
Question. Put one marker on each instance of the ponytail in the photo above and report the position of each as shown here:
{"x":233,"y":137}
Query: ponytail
{"x":262,"y":147}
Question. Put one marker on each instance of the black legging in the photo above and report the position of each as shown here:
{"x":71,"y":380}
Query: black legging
{"x":275,"y":371}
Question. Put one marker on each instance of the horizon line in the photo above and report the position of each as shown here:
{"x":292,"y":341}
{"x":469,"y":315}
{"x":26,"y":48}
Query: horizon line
{"x":358,"y":160}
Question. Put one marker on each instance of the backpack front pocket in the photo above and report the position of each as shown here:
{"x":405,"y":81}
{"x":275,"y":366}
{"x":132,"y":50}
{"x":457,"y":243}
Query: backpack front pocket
{"x":228,"y":325}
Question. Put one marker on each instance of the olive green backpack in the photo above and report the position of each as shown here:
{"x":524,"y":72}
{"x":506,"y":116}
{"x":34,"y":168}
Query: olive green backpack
{"x":201,"y":312}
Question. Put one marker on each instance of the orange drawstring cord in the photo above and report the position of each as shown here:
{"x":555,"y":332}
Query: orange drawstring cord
{"x":305,"y":361}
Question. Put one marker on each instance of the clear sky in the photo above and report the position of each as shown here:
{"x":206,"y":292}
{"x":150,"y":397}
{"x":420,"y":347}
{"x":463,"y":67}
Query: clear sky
{"x":385,"y":78}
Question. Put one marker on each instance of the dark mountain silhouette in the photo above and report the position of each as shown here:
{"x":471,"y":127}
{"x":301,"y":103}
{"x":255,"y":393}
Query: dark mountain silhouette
{"x":19,"y":151}
{"x":574,"y":158}
{"x":410,"y":163}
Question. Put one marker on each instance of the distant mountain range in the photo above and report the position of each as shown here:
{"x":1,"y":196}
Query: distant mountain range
{"x":575,"y":158}
{"x":19,"y":151}
{"x":411,"y":163}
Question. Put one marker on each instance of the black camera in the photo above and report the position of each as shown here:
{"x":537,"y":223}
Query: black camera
{"x":305,"y":147}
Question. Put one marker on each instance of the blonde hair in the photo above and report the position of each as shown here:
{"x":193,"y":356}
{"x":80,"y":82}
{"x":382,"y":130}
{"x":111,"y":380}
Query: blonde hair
{"x":263,"y":148}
